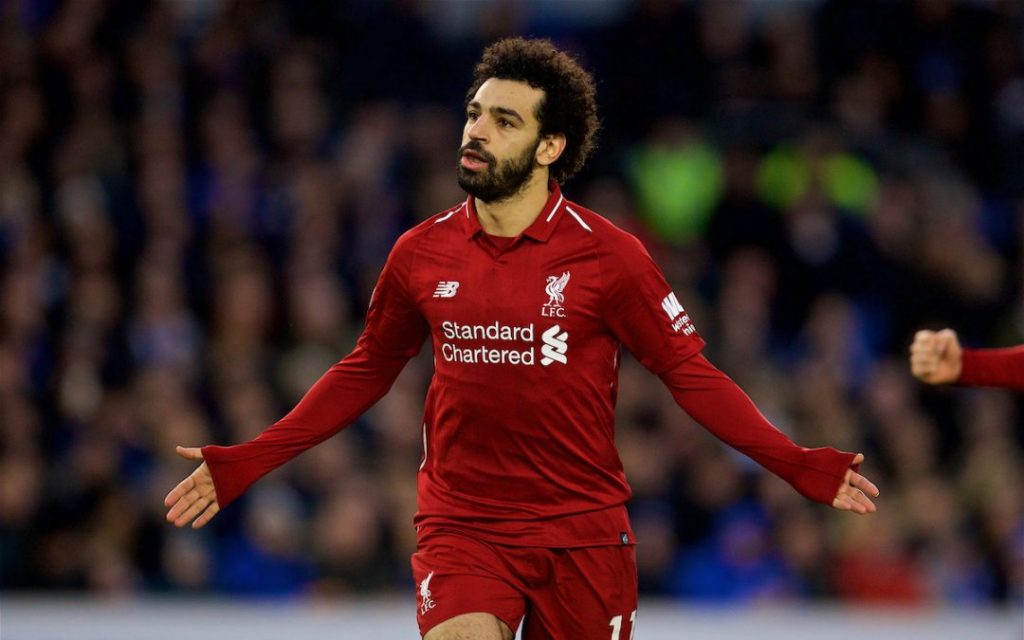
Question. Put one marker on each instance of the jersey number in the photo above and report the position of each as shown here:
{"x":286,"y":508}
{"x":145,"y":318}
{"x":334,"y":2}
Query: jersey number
{"x":616,"y":625}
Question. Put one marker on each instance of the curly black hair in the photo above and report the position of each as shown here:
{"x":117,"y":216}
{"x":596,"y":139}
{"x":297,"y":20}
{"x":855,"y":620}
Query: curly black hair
{"x":569,"y":105}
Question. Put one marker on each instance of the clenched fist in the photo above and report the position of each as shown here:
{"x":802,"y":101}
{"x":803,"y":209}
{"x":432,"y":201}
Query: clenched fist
{"x":936,"y":357}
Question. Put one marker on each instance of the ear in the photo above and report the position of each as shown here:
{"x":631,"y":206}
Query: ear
{"x":550,"y":149}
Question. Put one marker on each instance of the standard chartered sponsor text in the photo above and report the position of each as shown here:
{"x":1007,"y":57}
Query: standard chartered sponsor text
{"x":494,"y":331}
{"x":515,"y":354}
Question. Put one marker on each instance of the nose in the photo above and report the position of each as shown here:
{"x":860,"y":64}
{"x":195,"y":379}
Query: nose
{"x":477,"y":130}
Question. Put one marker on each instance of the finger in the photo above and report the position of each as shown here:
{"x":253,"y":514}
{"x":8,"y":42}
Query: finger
{"x":923,"y":338}
{"x":924,"y":350}
{"x":863,"y":484}
{"x":922,"y":370}
{"x":857,"y":459}
{"x":180,"y":507}
{"x":924,"y":356}
{"x":190,"y":514}
{"x":206,"y":516}
{"x":193,"y":510}
{"x":183,"y":504}
{"x":187,"y":500}
{"x":850,"y":502}
{"x":925,"y":359}
{"x":842,"y":503}
{"x":922,"y":341}
{"x":923,"y":363}
{"x":177,"y":492}
{"x":189,"y":453}
{"x":862,"y":503}
{"x":947,"y":336}
{"x":868,"y":503}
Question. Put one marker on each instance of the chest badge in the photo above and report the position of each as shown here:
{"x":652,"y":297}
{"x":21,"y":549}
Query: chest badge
{"x":555,"y":289}
{"x":446,"y":289}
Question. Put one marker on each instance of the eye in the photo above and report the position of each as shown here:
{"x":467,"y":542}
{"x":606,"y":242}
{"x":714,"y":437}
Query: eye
{"x":504,"y":122}
{"x":471,"y":116}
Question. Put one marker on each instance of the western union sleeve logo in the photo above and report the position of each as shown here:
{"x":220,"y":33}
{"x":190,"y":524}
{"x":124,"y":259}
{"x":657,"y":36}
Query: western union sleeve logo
{"x":677,"y":315}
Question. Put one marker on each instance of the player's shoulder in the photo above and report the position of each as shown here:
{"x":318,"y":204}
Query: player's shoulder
{"x":606,"y":236}
{"x":440,"y":226}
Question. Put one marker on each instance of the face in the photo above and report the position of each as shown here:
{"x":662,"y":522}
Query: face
{"x":501,"y":140}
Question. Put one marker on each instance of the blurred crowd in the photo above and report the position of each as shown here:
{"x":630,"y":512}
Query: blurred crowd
{"x":196,"y":199}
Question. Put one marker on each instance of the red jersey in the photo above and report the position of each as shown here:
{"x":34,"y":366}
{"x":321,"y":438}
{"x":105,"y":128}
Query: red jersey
{"x":518,"y":429}
{"x":993,"y":368}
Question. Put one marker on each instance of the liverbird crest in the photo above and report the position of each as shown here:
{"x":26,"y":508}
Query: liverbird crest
{"x":555,"y":287}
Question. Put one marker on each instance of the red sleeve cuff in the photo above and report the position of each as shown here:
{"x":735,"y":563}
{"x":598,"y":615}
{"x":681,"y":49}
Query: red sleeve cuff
{"x":824,"y":471}
{"x":228,"y":485}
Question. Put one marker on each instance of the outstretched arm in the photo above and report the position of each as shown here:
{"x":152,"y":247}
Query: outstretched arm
{"x":824,"y":475}
{"x":394,"y":333}
{"x":341,"y":395}
{"x":643,"y":312}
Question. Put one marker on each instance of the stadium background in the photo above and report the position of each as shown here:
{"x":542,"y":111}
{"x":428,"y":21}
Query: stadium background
{"x":196,"y":199}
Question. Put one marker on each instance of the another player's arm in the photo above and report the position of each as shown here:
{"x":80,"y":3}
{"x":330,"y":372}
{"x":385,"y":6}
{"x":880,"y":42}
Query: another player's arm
{"x":936,"y":357}
{"x":394,"y":332}
{"x":654,"y":328}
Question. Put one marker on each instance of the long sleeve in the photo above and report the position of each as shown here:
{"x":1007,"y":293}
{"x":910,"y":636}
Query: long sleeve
{"x":394,"y":333}
{"x":993,"y":368}
{"x":649,"y":320}
{"x":341,"y":395}
{"x":717,"y":403}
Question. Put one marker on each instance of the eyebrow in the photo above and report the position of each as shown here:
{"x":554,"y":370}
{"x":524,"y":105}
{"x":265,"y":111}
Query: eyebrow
{"x":505,"y":111}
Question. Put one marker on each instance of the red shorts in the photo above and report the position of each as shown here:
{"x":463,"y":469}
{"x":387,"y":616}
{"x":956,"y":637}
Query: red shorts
{"x":563,"y":594}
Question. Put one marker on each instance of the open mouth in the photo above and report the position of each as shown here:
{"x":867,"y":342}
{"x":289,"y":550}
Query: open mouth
{"x":472,"y":160}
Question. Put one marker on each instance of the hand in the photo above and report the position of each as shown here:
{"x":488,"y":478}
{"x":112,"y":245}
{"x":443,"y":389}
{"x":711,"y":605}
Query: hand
{"x":853,"y":493}
{"x":936,"y":357}
{"x":195,"y":496}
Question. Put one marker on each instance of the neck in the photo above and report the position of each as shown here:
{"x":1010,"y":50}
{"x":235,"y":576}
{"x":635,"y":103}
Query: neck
{"x":511,"y":216}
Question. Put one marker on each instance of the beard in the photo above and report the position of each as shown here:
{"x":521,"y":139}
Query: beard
{"x":499,"y":181}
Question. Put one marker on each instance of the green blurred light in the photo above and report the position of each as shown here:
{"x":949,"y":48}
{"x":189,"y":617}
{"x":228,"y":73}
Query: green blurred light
{"x":677,"y":188}
{"x":785,"y":175}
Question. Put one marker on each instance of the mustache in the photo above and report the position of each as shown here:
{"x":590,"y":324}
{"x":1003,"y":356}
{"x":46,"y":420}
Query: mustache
{"x":476,"y":147}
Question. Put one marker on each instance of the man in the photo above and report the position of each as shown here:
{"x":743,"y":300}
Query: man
{"x":526,"y":298}
{"x":936,"y":357}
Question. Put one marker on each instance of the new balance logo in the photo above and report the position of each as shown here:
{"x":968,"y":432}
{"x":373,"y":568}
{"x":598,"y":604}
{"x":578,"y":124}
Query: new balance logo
{"x":555,"y":346}
{"x":677,"y":315}
{"x":446,"y":289}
